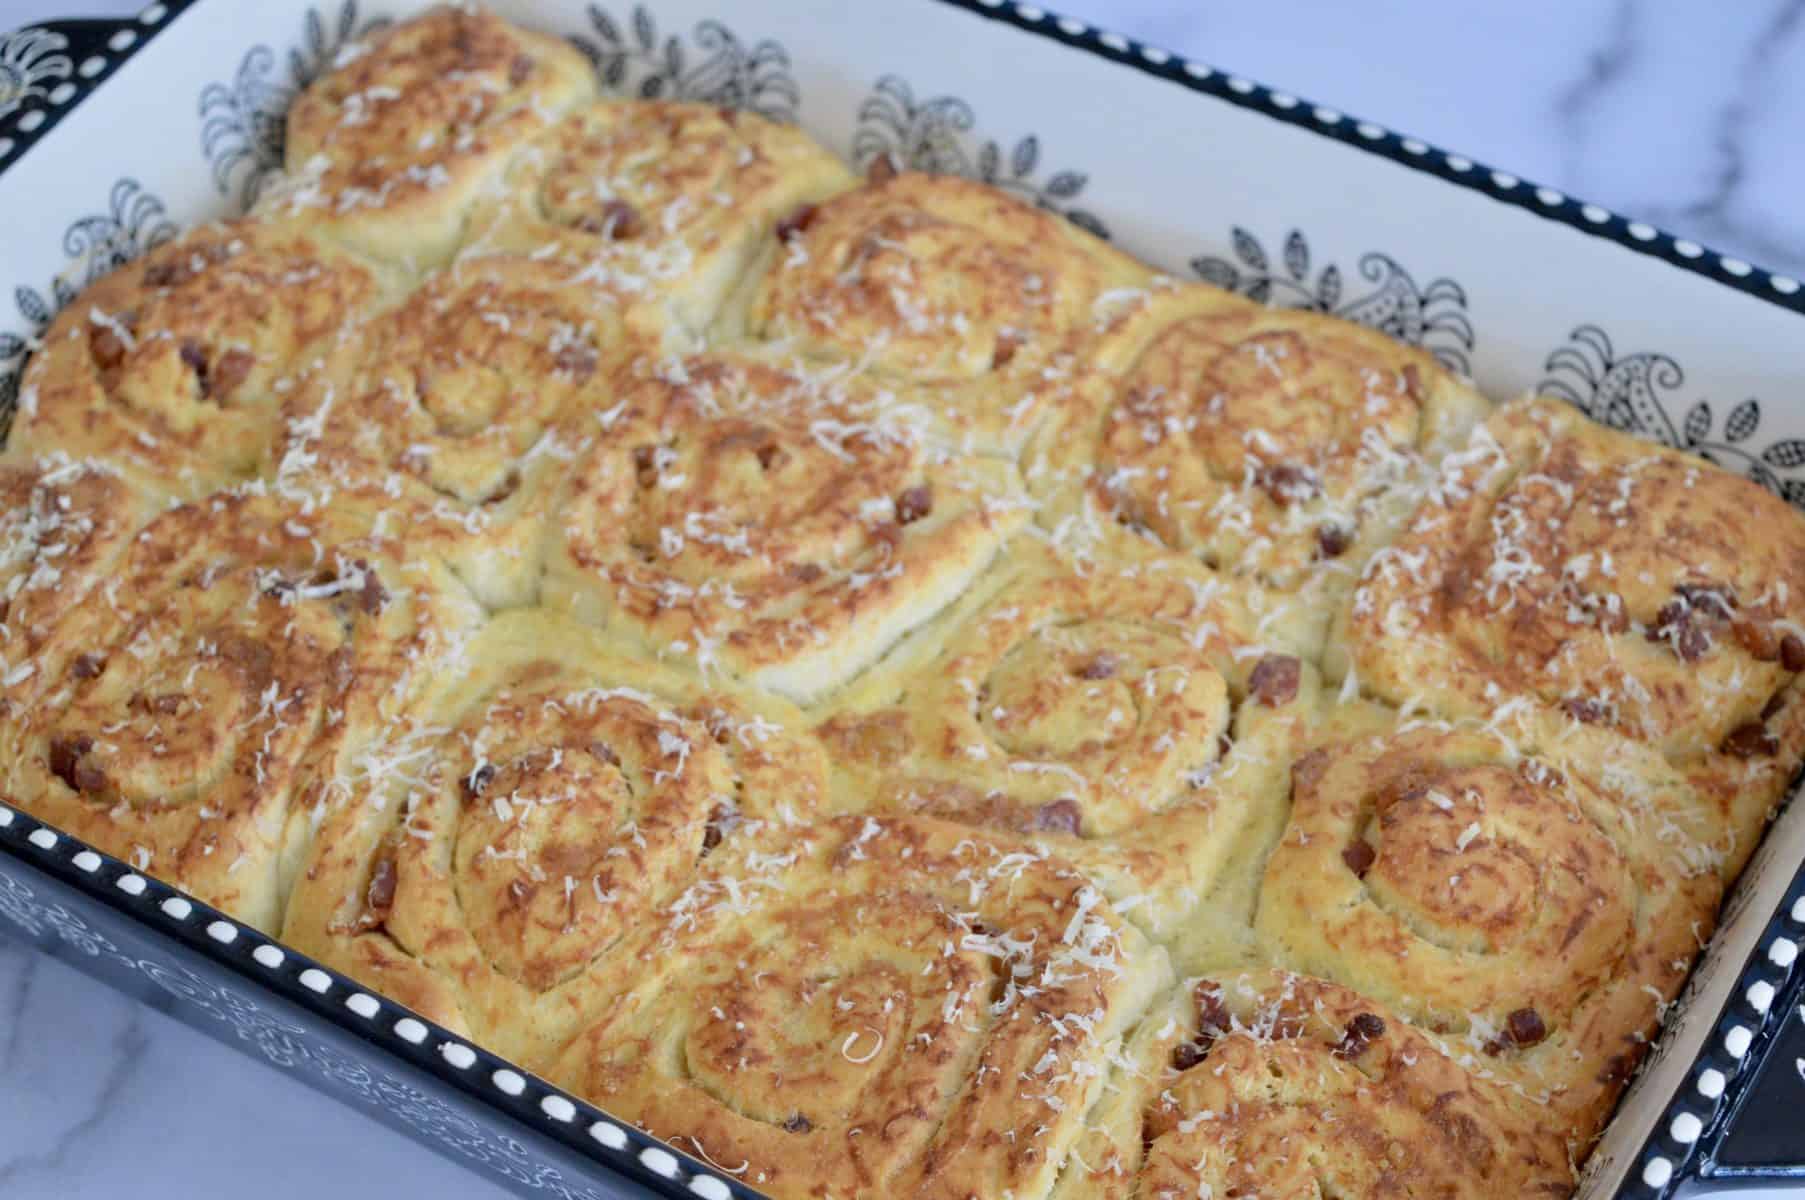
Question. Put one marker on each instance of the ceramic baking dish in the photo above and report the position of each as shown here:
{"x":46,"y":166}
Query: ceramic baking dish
{"x":115,"y":134}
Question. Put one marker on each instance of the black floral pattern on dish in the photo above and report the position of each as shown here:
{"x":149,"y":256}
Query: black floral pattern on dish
{"x":1432,"y":316}
{"x":1638,"y":393}
{"x":631,"y":59}
{"x":29,"y":60}
{"x":243,"y":128}
{"x":932,"y":135}
{"x":97,"y":244}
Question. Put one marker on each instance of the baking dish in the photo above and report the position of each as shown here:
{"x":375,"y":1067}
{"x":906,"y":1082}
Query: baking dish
{"x":118,"y":135}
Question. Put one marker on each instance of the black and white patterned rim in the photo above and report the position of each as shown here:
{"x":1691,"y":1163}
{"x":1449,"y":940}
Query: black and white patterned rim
{"x":1694,"y":1119}
{"x":1699,"y":1114}
{"x":1411,"y":152}
{"x":94,"y":50}
{"x":36,"y":117}
{"x":266,"y":963}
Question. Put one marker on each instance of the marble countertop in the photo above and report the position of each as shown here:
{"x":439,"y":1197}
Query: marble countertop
{"x":1684,"y":115}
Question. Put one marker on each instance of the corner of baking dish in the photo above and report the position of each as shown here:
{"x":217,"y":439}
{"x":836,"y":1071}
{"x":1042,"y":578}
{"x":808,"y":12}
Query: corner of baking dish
{"x":265,"y":963}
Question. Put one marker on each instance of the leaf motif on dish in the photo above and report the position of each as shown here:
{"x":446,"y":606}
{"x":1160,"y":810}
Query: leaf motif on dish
{"x":242,"y":121}
{"x":29,"y":60}
{"x":932,"y":134}
{"x":1640,"y":393}
{"x":714,"y":67}
{"x":96,"y":244}
{"x":1433,"y":315}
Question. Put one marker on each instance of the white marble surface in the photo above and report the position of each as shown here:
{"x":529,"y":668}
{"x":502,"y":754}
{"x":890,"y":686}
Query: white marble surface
{"x":1684,"y":114}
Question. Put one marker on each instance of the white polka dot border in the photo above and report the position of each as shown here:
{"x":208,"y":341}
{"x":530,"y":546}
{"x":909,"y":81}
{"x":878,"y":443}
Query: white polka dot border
{"x":1736,"y":1041}
{"x":710,"y":1188}
{"x":611,"y":1136}
{"x":458,"y":1055}
{"x":223,"y":933}
{"x":660,"y":1161}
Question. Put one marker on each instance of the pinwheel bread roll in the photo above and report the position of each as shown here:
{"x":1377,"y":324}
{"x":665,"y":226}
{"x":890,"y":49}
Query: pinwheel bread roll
{"x":389,"y":150}
{"x":778,"y":521}
{"x":1277,"y":446}
{"x":481,"y":864}
{"x":987,"y":301}
{"x":440,"y":418}
{"x":1091,"y":713}
{"x":173,"y":368}
{"x":237,"y":646}
{"x":1608,"y":586}
{"x":1285,"y":1087}
{"x":1538,"y":910}
{"x":64,"y":523}
{"x":662,"y":204}
{"x":867,"y":1007}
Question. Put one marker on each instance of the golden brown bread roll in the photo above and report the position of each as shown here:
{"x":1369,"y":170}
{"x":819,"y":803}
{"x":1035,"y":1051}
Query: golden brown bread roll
{"x":779,"y":522}
{"x":1269,"y":1084}
{"x":238,"y":646}
{"x":1050,"y":546}
{"x":870,"y":1007}
{"x":1278,"y":446}
{"x":389,"y":149}
{"x":64,"y":522}
{"x":658,"y":203}
{"x":1602,"y":581}
{"x":173,"y":367}
{"x":1539,"y":918}
{"x":439,"y":419}
{"x":940,"y":281}
{"x":553,"y":799}
{"x":1088,"y":711}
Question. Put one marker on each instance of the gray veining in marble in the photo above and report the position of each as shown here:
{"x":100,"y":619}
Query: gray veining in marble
{"x":1684,"y":114}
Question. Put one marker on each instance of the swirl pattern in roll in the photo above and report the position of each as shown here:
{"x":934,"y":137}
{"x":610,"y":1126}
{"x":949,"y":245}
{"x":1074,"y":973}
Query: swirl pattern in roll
{"x":1604,"y":584}
{"x":1090,"y":712}
{"x":389,"y":149}
{"x":660,"y":203}
{"x":64,"y":523}
{"x":1496,"y":896}
{"x":554,"y":797}
{"x":780,"y":522}
{"x":173,"y":367}
{"x":942,"y":281}
{"x":1286,"y":1087}
{"x":1277,"y":445}
{"x":237,"y":646}
{"x":441,"y":416}
{"x":870,"y":1007}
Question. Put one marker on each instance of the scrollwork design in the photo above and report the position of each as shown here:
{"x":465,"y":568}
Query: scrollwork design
{"x":97,"y":244}
{"x":1431,"y":315}
{"x":931,"y":134}
{"x":1640,"y":393}
{"x":29,"y":60}
{"x":632,"y":59}
{"x":243,"y":130}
